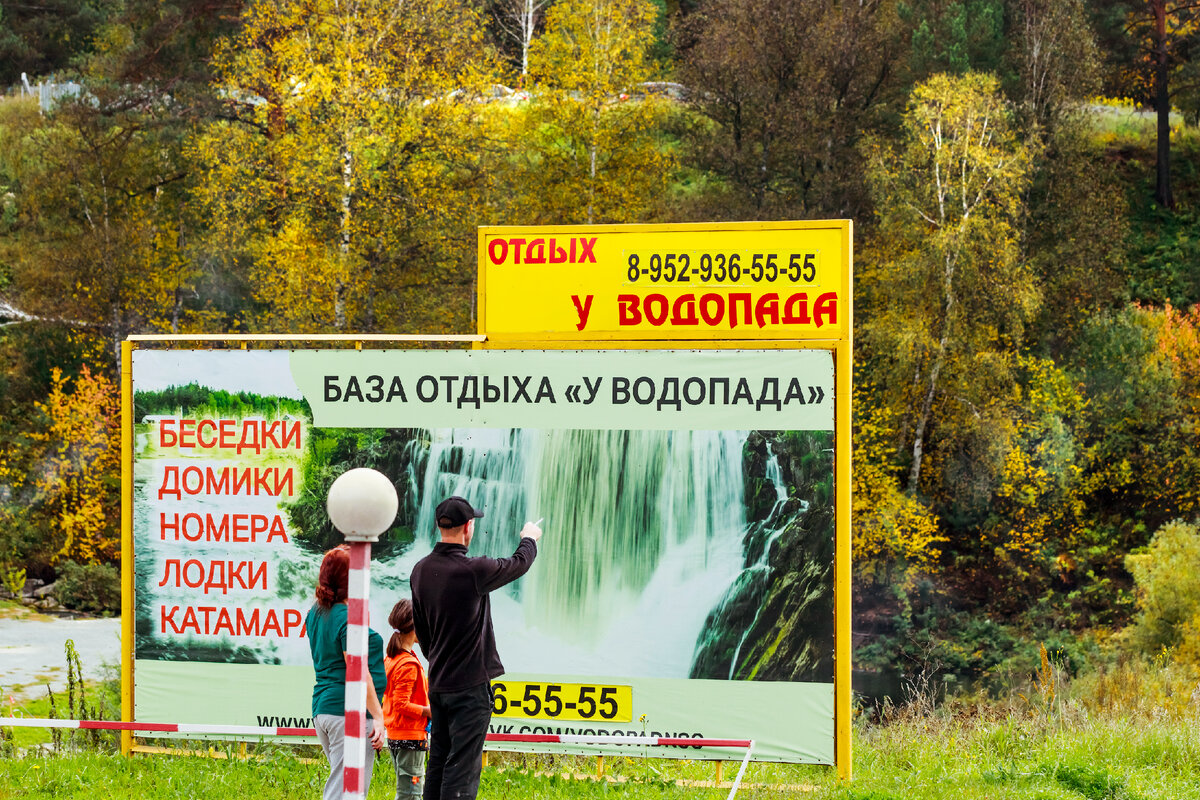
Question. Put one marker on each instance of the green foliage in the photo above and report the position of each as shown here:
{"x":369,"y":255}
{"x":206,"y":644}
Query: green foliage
{"x":331,"y":452}
{"x":196,"y":399}
{"x":934,"y":638}
{"x":955,"y":36}
{"x":12,"y":578}
{"x":1092,"y":783}
{"x":1168,"y":581}
{"x":1165,"y":250}
{"x":165,"y":45}
{"x":94,"y":588}
{"x":48,"y":37}
{"x":22,"y":542}
{"x":1139,"y":429}
{"x":1079,"y":251}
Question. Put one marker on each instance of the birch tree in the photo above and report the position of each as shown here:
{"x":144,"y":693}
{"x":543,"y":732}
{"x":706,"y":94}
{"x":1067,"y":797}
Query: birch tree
{"x":519,"y":20}
{"x":1057,"y":58}
{"x":343,"y":179}
{"x":950,"y":294}
{"x":591,"y":144}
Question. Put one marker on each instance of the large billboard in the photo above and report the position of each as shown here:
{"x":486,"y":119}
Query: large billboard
{"x":685,"y":584}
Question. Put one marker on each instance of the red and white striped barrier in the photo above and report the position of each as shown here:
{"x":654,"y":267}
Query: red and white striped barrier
{"x":154,"y":727}
{"x":492,"y":738}
{"x":656,"y":741}
{"x":354,"y":753}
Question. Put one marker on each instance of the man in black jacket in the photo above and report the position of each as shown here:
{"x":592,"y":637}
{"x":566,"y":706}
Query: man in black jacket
{"x":453,"y":617}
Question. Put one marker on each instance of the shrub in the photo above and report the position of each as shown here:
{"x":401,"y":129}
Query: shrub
{"x":13,"y":579}
{"x":1168,"y":589}
{"x":95,"y":588}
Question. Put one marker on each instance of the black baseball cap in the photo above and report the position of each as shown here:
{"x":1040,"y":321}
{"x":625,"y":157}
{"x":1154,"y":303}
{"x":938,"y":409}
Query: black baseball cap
{"x":455,"y":511}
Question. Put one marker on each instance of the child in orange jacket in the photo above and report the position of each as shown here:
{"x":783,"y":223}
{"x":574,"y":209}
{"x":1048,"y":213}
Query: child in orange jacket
{"x":406,"y":704}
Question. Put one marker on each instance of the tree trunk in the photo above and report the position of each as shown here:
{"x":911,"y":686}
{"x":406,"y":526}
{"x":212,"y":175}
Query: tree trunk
{"x":1162,"y":106}
{"x":341,"y":285}
{"x":918,"y":451}
{"x":593,"y":147}
{"x":948,"y":302}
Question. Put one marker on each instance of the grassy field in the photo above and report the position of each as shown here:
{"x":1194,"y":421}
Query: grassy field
{"x":968,"y":753}
{"x":1129,"y":730}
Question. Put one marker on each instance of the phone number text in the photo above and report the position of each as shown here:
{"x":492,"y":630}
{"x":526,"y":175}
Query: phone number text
{"x":567,"y":701}
{"x":717,"y":268}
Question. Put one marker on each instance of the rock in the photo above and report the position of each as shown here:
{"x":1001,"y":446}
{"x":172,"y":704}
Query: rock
{"x":31,"y":585}
{"x":44,"y":590}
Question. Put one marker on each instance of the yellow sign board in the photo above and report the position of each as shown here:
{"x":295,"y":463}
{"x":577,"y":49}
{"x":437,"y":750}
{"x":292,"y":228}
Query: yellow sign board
{"x":711,"y":281}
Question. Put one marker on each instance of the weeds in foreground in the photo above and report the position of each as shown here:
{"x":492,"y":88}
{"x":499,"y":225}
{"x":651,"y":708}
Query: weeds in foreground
{"x":1135,"y":689}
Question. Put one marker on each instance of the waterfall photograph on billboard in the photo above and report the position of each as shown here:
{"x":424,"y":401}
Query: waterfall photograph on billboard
{"x":686,"y":572}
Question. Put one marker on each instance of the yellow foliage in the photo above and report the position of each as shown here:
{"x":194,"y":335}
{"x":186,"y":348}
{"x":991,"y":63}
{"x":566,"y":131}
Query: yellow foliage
{"x":944,"y":271}
{"x":592,"y":150}
{"x":1168,"y":592}
{"x":101,"y":220}
{"x":1037,"y":500}
{"x":1179,"y":341}
{"x":348,"y":181}
{"x":78,"y":478}
{"x":1141,"y":688}
{"x":891,"y":529}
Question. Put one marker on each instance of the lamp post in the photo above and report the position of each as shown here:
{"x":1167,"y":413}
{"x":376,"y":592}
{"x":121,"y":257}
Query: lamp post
{"x":362,"y":504}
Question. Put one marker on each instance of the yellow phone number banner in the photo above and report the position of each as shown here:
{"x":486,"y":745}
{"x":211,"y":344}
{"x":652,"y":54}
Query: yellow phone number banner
{"x":786,"y":280}
{"x":573,"y":702}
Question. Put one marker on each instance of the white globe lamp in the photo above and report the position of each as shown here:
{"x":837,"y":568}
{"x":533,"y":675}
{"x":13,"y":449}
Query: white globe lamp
{"x":362,"y":504}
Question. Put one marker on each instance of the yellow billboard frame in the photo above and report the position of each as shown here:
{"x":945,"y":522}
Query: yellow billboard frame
{"x":842,"y":347}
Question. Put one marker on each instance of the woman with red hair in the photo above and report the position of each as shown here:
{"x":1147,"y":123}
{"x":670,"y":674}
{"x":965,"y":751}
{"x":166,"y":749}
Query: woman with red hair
{"x":326,"y":626}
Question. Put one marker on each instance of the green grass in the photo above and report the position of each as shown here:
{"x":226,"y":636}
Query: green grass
{"x":971,"y":754}
{"x":1126,"y":731}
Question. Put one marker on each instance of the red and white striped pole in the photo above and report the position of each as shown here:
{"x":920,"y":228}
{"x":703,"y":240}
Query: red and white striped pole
{"x":354,"y":754}
{"x":362,"y":504}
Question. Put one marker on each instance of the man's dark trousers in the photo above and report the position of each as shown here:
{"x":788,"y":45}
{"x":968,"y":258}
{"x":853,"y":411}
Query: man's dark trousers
{"x":458,"y":726}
